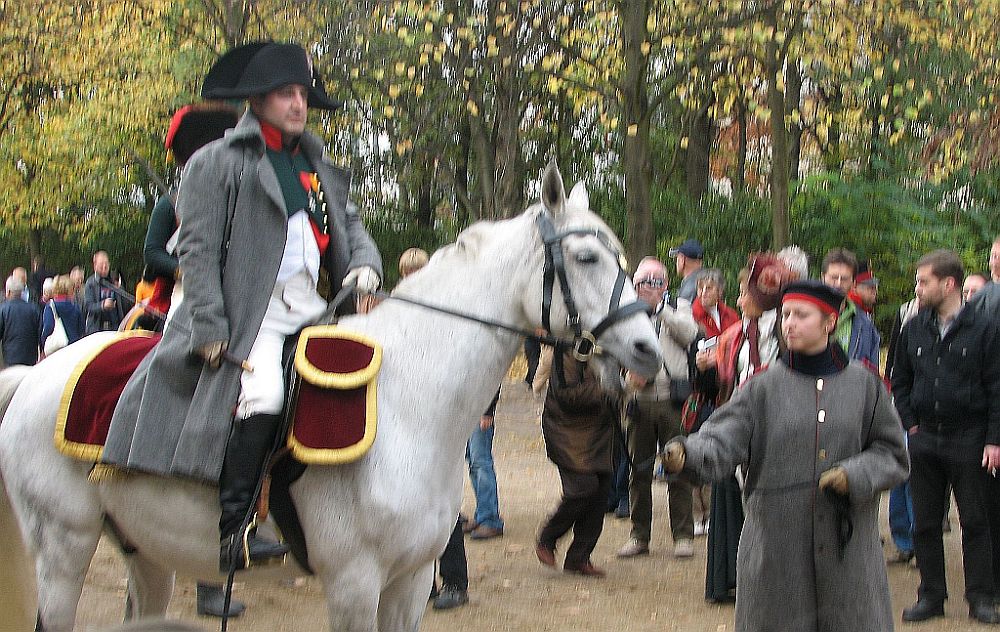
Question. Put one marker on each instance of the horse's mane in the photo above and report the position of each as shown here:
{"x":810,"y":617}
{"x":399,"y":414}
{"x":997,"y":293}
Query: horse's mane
{"x":476,"y":239}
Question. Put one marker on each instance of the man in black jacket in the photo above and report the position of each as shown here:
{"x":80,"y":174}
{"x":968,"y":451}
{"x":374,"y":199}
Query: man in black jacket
{"x":102,"y":306}
{"x":946,"y":383}
{"x":20,"y":323}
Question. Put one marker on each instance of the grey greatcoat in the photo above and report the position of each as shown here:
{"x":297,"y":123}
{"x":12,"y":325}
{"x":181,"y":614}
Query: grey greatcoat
{"x":789,"y":428}
{"x":175,"y":413}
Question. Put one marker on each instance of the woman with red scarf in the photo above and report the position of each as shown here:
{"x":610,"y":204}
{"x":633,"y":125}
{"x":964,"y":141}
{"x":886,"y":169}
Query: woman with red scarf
{"x":744,"y":348}
{"x":712,"y":315}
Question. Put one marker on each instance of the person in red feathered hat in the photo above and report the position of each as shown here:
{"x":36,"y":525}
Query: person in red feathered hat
{"x":865,"y":290}
{"x":191,"y":128}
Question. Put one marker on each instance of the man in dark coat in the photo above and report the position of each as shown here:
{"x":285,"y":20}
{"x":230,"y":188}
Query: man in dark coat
{"x":267,"y":235}
{"x":577,"y":427}
{"x":102,"y":307}
{"x":19,"y":326}
{"x":946,"y":383}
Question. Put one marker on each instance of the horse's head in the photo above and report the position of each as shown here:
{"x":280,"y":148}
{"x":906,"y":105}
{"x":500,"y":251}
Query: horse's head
{"x":582,"y":287}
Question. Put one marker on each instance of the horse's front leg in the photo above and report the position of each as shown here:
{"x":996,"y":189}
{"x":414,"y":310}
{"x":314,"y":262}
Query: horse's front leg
{"x":402,"y":603}
{"x":352,"y":594}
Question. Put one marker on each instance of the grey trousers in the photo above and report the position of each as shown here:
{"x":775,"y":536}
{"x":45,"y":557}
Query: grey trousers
{"x":648,"y":424}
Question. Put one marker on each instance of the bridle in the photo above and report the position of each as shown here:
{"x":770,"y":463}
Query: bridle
{"x":584,"y":343}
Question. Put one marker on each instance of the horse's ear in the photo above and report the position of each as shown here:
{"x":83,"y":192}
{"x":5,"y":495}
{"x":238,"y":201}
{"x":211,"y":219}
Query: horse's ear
{"x":553,"y":192}
{"x":578,"y":197}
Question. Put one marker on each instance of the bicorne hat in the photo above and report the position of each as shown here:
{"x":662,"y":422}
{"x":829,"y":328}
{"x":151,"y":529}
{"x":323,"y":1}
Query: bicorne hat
{"x":194,"y":126}
{"x":828,"y":299}
{"x":259,"y":68}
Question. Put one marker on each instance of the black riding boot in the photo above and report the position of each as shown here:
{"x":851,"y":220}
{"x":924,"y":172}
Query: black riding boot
{"x":249,"y":444}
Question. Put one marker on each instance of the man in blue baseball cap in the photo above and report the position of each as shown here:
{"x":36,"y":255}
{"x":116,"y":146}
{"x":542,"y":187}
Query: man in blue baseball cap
{"x":688,"y":260}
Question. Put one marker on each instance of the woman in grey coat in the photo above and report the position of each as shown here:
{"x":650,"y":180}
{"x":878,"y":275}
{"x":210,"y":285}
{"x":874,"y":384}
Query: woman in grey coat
{"x":820,"y":438}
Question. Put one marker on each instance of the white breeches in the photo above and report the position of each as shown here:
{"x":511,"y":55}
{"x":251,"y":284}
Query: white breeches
{"x":294,"y":303}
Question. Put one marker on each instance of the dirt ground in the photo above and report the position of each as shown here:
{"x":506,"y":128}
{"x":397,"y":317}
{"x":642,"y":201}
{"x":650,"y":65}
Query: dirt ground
{"x":509,"y":590}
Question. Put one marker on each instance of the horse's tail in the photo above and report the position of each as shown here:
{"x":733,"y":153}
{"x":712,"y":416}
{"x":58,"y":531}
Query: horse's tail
{"x":17,"y":586}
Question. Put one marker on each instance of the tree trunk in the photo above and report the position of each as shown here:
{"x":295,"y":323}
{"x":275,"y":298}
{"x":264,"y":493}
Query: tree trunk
{"x":698,"y":154}
{"x":740,"y":177}
{"x":462,"y":202}
{"x":237,"y":14}
{"x":482,"y":148}
{"x":833,"y":158}
{"x":793,"y":95}
{"x":639,"y":237}
{"x":509,"y":160}
{"x":425,"y":208}
{"x":34,"y":243}
{"x":779,"y":139}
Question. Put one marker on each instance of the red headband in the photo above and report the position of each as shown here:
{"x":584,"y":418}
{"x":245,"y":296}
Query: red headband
{"x":824,"y":307}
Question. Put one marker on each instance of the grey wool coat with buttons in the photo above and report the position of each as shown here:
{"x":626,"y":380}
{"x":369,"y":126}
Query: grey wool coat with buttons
{"x":788,"y":428}
{"x":175,"y":414}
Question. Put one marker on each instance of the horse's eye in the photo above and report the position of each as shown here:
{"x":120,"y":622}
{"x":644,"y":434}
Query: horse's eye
{"x":587,"y":257}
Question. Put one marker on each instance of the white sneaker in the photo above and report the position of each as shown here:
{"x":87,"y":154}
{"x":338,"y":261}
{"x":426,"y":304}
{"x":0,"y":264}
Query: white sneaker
{"x":700,"y":528}
{"x":684,"y":548}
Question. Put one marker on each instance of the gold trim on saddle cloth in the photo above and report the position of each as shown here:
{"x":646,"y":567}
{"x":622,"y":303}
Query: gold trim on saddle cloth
{"x":84,"y":451}
{"x":365,"y":377}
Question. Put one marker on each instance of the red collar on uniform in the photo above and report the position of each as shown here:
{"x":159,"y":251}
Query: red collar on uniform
{"x":272,"y":138}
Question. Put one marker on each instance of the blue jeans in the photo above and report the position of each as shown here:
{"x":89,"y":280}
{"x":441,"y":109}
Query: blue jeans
{"x":901,"y":517}
{"x":479,"y":454}
{"x":618,"y":496}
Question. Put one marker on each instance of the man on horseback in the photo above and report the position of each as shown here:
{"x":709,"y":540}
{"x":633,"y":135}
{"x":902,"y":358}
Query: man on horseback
{"x":265,"y":231}
{"x":280,"y":84}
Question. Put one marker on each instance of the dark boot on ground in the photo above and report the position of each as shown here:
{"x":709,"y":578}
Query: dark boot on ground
{"x":450,"y":597}
{"x":923,"y":610}
{"x":212,"y":599}
{"x":249,"y":445}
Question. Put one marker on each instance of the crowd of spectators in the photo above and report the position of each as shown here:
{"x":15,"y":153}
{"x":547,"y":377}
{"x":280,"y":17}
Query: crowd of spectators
{"x":44,"y":306}
{"x":942,"y":373}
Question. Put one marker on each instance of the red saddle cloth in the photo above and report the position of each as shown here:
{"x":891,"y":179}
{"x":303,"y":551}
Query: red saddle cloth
{"x":333,"y":397}
{"x":335,"y":405}
{"x":92,"y":392}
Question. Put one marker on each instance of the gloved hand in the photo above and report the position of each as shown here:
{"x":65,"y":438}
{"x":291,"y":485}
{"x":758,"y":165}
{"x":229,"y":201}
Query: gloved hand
{"x":365,"y":278}
{"x":212,"y":352}
{"x":674,"y":457}
{"x":835,"y":479}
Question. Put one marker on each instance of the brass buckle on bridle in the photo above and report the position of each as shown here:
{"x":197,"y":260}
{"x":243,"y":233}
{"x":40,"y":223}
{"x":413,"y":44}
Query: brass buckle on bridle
{"x":585,"y":346}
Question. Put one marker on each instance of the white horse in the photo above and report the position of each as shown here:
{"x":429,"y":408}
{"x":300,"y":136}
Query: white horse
{"x":373,"y":527}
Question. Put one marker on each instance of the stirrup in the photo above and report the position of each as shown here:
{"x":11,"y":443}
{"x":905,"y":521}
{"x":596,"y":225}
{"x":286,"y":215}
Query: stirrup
{"x":246,"y":560}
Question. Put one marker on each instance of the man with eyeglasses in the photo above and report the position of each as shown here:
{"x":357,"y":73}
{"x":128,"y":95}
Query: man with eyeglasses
{"x":653,"y":415}
{"x":855,"y":331}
